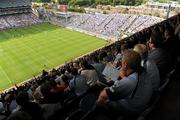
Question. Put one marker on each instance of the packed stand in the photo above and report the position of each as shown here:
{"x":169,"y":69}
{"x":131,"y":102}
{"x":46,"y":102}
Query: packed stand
{"x":18,"y":20}
{"x":9,"y":7}
{"x":110,"y":25}
{"x":14,"y":3}
{"x":139,"y":64}
{"x":16,"y":13}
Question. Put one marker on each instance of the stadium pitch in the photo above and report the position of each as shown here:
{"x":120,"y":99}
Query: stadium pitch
{"x":24,"y":52}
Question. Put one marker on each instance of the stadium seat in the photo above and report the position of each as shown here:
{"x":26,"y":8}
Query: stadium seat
{"x":14,"y":3}
{"x":154,"y":100}
{"x":70,"y":97}
{"x":109,"y":25}
{"x":167,"y":80}
{"x":86,"y":106}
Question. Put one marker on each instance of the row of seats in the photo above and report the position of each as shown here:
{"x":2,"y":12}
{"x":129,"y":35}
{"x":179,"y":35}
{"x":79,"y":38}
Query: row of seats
{"x":110,"y":25}
{"x":14,"y":3}
{"x":18,"y":20}
{"x":58,"y":86}
{"x":11,"y":11}
{"x":154,"y":100}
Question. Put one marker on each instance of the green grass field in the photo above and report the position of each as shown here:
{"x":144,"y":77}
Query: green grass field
{"x":24,"y":52}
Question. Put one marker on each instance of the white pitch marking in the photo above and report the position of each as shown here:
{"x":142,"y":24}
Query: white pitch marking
{"x":5,"y":75}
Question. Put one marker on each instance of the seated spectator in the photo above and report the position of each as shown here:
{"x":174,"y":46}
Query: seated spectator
{"x":89,"y":73}
{"x":98,"y":65}
{"x":159,"y":55}
{"x":44,"y":73}
{"x":118,"y":56}
{"x":68,"y":71}
{"x":10,"y":103}
{"x":37,"y":95}
{"x":29,"y":91}
{"x":177,"y":31}
{"x":49,"y":96}
{"x":61,"y":86}
{"x":149,"y":65}
{"x":124,"y":48}
{"x":31,"y":108}
{"x":76,"y":65}
{"x":118,"y":53}
{"x":61,"y":73}
{"x":171,"y":43}
{"x":103,"y":57}
{"x":52,"y":97}
{"x":109,"y":57}
{"x":121,"y":97}
{"x":78,"y":84}
{"x":141,"y":95}
{"x":53,"y":73}
{"x":1,"y":107}
{"x":132,"y":93}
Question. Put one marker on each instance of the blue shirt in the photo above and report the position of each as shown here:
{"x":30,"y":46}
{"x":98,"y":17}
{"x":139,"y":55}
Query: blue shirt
{"x":123,"y":88}
{"x":78,"y":84}
{"x":142,"y":96}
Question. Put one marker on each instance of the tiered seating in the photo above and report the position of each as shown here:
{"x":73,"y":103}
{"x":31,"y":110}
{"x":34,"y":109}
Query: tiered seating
{"x":16,"y":13}
{"x":3,"y":23}
{"x":18,"y":20}
{"x":14,"y":3}
{"x":8,"y":7}
{"x":109,"y":25}
{"x":53,"y":89}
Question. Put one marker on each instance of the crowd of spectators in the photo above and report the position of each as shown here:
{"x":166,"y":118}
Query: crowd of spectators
{"x":16,"y":13}
{"x":142,"y":61}
{"x":18,"y":20}
{"x":110,"y":25}
{"x":10,"y":11}
{"x":14,"y":3}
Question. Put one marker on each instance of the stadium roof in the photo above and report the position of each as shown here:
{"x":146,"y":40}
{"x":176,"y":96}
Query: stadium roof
{"x":14,"y":3}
